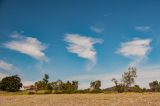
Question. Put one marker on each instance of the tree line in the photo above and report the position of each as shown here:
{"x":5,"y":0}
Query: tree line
{"x":126,"y":84}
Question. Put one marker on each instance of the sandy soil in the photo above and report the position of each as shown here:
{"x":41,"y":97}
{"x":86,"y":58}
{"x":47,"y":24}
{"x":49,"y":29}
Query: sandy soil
{"x":124,"y":99}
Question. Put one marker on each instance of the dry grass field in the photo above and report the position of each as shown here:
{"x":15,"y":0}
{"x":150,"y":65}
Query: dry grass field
{"x":124,"y":99}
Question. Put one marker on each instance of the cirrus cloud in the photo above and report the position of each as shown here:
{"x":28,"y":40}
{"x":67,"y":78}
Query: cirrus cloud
{"x":9,"y":68}
{"x":83,"y":47}
{"x":136,"y":47}
{"x":96,"y":29}
{"x":27,"y":45}
{"x":143,"y":28}
{"x":6,"y":66}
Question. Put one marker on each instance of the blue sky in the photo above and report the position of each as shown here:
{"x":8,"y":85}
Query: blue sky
{"x":80,"y":40}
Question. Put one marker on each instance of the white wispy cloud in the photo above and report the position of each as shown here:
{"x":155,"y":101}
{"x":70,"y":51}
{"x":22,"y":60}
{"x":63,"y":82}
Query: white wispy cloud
{"x":6,"y":66}
{"x":96,"y":29}
{"x":83,"y":47}
{"x":9,"y":68}
{"x":27,"y":45}
{"x":143,"y":28}
{"x":136,"y":49}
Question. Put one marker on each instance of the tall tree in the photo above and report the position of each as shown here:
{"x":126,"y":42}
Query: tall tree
{"x":44,"y":84}
{"x":46,"y":77}
{"x":119,"y":87}
{"x":154,"y":86}
{"x":62,"y":86}
{"x":95,"y":85}
{"x":11,"y":83}
{"x":40,"y":85}
{"x":128,"y":78}
{"x":75,"y":85}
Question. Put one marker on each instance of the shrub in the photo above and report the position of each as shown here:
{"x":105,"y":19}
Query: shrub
{"x":47,"y":91}
{"x":58,"y":92}
{"x":120,"y":88}
{"x":96,"y":91}
{"x":44,"y":92}
{"x":135,"y":88}
{"x":31,"y":93}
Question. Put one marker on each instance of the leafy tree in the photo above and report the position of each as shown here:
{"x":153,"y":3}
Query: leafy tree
{"x":61,"y":86}
{"x":11,"y":83}
{"x":95,"y":85}
{"x":46,"y":77}
{"x":44,"y":84}
{"x":128,"y":78}
{"x":75,"y":85}
{"x":115,"y":81}
{"x":119,"y":87}
{"x":54,"y":85}
{"x":68,"y":86}
{"x":40,"y":85}
{"x":58,"y":85}
{"x":154,"y":86}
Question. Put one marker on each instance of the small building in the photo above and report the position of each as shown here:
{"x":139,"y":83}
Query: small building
{"x":31,"y":87}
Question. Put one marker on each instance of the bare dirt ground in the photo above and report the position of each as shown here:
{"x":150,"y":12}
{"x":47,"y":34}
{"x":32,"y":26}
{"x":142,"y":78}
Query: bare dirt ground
{"x":124,"y":99}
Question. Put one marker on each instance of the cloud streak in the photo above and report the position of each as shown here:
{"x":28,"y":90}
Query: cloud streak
{"x":6,"y":66}
{"x":96,"y":29}
{"x":83,"y":47}
{"x":143,"y":28}
{"x":27,"y":45}
{"x":9,"y":68}
{"x":136,"y":49}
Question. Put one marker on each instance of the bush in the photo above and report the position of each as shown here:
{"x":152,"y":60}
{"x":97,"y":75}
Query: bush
{"x":96,"y":91}
{"x":48,"y":92}
{"x":80,"y":91}
{"x":136,"y":88}
{"x":44,"y":92}
{"x":58,"y":92}
{"x":31,"y":93}
{"x":77,"y":91}
{"x":120,"y":88}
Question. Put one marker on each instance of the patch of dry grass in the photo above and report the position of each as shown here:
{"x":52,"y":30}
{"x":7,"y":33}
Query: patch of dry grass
{"x":124,"y":99}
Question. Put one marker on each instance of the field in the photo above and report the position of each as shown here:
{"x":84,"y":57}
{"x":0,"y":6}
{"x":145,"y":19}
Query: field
{"x":124,"y":99}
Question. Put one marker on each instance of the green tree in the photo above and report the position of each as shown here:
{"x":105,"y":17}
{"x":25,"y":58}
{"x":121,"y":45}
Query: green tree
{"x":128,"y":78}
{"x":40,"y":85}
{"x":11,"y":83}
{"x":58,"y":85}
{"x":46,"y":77}
{"x":119,"y":87}
{"x":154,"y":86}
{"x":75,"y":85}
{"x":44,"y":84}
{"x":95,"y":85}
{"x":62,"y":86}
{"x":68,"y":86}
